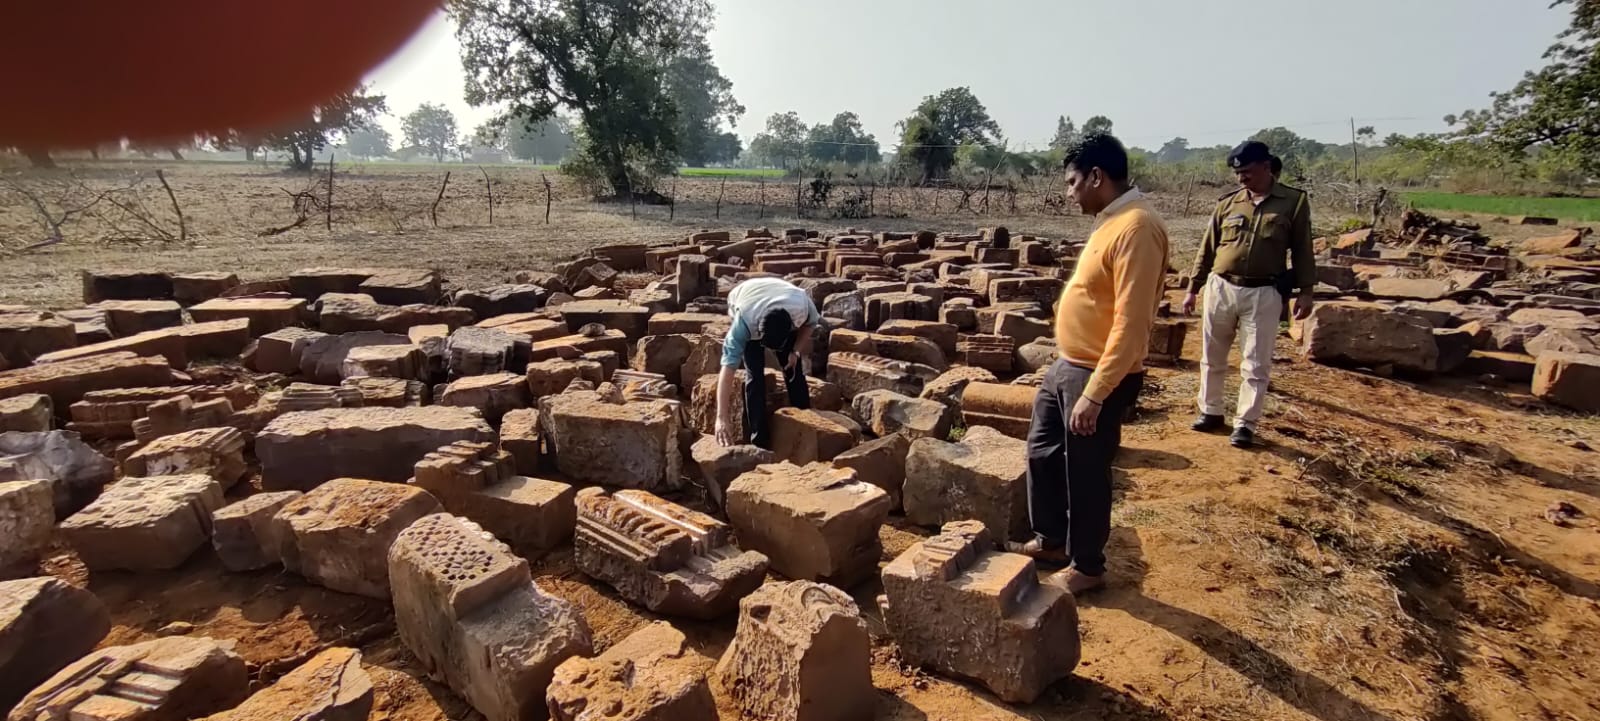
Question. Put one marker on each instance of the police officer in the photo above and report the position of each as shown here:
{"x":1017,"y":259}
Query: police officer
{"x":1259,"y":237}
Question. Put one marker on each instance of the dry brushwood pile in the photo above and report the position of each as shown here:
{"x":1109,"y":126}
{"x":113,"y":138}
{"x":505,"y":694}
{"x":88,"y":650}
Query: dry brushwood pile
{"x":370,"y":493}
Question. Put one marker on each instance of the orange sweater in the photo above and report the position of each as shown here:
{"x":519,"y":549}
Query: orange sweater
{"x":1104,"y":316}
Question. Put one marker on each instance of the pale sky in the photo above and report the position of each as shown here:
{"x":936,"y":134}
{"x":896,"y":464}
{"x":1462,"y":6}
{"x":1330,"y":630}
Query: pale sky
{"x":1202,"y":69}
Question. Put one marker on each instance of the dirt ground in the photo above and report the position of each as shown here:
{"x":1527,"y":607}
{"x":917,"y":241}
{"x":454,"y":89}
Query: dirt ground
{"x":1383,"y":556}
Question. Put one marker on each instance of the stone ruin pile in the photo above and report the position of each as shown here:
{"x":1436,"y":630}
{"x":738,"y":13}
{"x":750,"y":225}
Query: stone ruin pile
{"x":380,"y":433}
{"x":1441,"y":297}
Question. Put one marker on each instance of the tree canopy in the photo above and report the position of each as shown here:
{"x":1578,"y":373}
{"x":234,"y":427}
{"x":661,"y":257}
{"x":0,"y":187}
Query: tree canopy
{"x":784,"y":141}
{"x":1066,"y":133}
{"x":546,"y":141}
{"x":370,"y":141}
{"x":704,"y":99}
{"x":430,"y":128}
{"x":606,"y":60}
{"x":842,"y":141}
{"x":323,"y":124}
{"x":940,"y":124}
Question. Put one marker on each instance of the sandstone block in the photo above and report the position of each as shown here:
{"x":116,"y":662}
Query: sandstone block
{"x":520,"y":437}
{"x":855,"y":373}
{"x":633,"y":445}
{"x":801,"y":653}
{"x":618,"y":315}
{"x":805,"y":436}
{"x":549,"y":377}
{"x":498,"y":300}
{"x":625,"y":257}
{"x":338,"y":534}
{"x":178,"y":344}
{"x":1368,"y":334}
{"x":168,"y":679}
{"x":881,"y":462}
{"x":1551,"y":244}
{"x":280,"y":351}
{"x":471,"y":613}
{"x":300,"y":450}
{"x":982,"y":477}
{"x":493,"y":395}
{"x":402,"y":286}
{"x":678,"y":323}
{"x":990,"y":352}
{"x":1043,"y":291}
{"x":885,"y":307}
{"x":1569,"y":379}
{"x":1409,"y":288}
{"x":265,"y":315}
{"x":886,"y":412}
{"x":390,"y":392}
{"x":29,"y":413}
{"x":1022,"y":329}
{"x":815,"y":522}
{"x":955,"y":605}
{"x":1007,"y":408}
{"x":123,"y":285}
{"x":144,"y":524}
{"x":243,"y":533}
{"x":179,"y":414}
{"x":1509,"y":367}
{"x":89,"y":324}
{"x":950,"y":385}
{"x":26,"y":336}
{"x":1455,"y":347}
{"x":312,"y":283}
{"x":329,"y":687}
{"x":479,"y":482}
{"x":214,"y":452}
{"x":663,"y":556}
{"x":27,"y":518}
{"x":192,"y":288}
{"x":652,"y":675}
{"x":1551,"y":340}
{"x":719,"y":465}
{"x":45,"y":624}
{"x":75,"y":471}
{"x":578,"y":345}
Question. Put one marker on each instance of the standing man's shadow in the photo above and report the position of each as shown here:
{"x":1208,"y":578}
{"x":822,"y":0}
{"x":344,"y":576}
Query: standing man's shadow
{"x":1300,"y":689}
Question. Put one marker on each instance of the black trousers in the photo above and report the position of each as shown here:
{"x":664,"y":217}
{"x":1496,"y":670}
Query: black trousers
{"x":755,"y":391}
{"x":1069,"y":476}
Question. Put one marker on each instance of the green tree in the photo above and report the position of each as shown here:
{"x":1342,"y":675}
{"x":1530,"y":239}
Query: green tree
{"x":704,"y":99}
{"x":431,"y":128}
{"x":546,"y":141}
{"x":842,"y":141}
{"x":1066,"y":133}
{"x":1553,"y":109}
{"x":368,"y":142}
{"x":1097,"y":124}
{"x":939,"y":125}
{"x":1296,"y":151}
{"x":1175,"y":150}
{"x":325,"y":124}
{"x":724,"y":149}
{"x":603,"y":59}
{"x":784,"y":141}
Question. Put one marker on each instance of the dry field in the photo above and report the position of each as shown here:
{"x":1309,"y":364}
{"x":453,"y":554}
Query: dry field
{"x":1384,"y":556}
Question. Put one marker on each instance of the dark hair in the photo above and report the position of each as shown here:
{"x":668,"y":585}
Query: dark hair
{"x":1098,"y":150}
{"x":777,"y":329}
{"x":1277,"y":165}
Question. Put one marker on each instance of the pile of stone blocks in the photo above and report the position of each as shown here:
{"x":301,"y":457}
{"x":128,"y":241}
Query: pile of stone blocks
{"x":479,"y":482}
{"x":955,"y":605}
{"x":470,"y":612}
{"x":663,"y":556}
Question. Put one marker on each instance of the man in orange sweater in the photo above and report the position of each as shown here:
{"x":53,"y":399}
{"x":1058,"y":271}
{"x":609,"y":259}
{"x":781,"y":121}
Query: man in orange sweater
{"x":1102,"y":330}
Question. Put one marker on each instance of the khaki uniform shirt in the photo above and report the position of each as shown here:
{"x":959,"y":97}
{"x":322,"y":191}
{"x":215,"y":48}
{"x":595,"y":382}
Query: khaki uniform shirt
{"x":1254,"y":241}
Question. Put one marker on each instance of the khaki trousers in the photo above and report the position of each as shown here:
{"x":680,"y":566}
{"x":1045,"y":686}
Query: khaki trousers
{"x":1252,"y":314}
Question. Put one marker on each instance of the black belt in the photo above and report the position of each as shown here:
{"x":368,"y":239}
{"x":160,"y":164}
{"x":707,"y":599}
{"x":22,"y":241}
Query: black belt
{"x":1246,"y":282}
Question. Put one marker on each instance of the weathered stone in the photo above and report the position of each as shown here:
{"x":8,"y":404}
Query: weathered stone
{"x":1021,"y":328}
{"x":579,"y":345}
{"x":950,"y":385}
{"x":27,"y":518}
{"x":389,"y":392}
{"x":1455,"y":347}
{"x":981,"y":477}
{"x":955,"y":605}
{"x":484,"y":351}
{"x":625,"y":257}
{"x":885,"y":307}
{"x":544,"y":279}
{"x":1569,"y":379}
{"x":1368,"y":334}
{"x":1409,"y":288}
{"x":1552,"y":340}
{"x":26,"y":336}
{"x":178,"y":344}
{"x":471,"y":613}
{"x":402,"y":286}
{"x":1040,"y":354}
{"x":29,"y":413}
{"x":498,"y":300}
{"x":300,"y":450}
{"x":520,"y":437}
{"x":265,"y":315}
{"x":192,"y":288}
{"x":815,"y":522}
{"x":144,"y":524}
{"x":719,"y":465}
{"x":667,"y":355}
{"x":313,"y":283}
{"x":1551,"y":244}
{"x":179,"y":414}
{"x":584,"y":273}
{"x":243,"y":533}
{"x":535,"y":326}
{"x":663,"y":556}
{"x":329,"y":687}
{"x":678,"y":323}
{"x":804,"y":436}
{"x":214,"y":452}
{"x":1007,"y":408}
{"x":848,"y":306}
{"x":493,"y":395}
{"x":281,"y":351}
{"x":855,"y":373}
{"x":1166,"y":341}
{"x":801,"y":653}
{"x":88,"y":323}
{"x":634,"y":445}
{"x":406,"y":362}
{"x":124,"y":285}
{"x":359,"y":314}
{"x":988,"y":318}
{"x":1043,"y":291}
{"x":476,"y":481}
{"x":631,"y":320}
{"x":1512,"y":337}
{"x":75,"y":471}
{"x":168,"y":679}
{"x":131,"y":317}
{"x":1510,"y":367}
{"x":338,"y":534}
{"x":886,"y":412}
{"x":1554,"y":318}
{"x":881,"y":462}
{"x":45,"y":624}
{"x":652,"y":675}
{"x":547,"y":378}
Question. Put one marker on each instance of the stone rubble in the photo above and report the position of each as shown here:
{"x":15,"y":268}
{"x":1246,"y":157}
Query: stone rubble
{"x":801,"y":653}
{"x":45,"y":624}
{"x":652,"y":675}
{"x":168,"y":679}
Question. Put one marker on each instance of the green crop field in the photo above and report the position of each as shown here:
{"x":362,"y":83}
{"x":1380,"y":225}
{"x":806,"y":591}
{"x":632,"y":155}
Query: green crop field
{"x":1579,"y":209}
{"x":731,"y":173}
